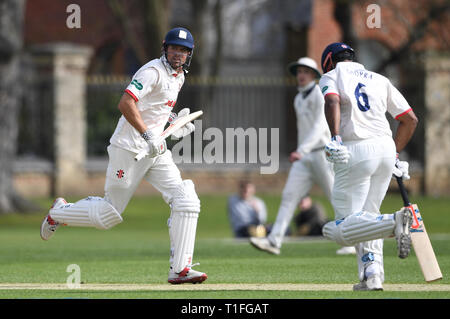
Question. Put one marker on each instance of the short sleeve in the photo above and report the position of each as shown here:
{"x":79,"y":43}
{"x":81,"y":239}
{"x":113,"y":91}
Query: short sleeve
{"x":328,"y":85}
{"x":142,"y":83}
{"x":396,"y":103}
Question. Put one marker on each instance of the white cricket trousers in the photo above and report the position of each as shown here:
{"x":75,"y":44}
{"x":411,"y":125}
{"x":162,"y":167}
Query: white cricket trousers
{"x":124,"y":175}
{"x":361,"y":185}
{"x":312,"y":168}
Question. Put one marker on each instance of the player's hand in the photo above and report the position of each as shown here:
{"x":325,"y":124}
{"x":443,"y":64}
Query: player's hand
{"x":401,"y":169}
{"x":155,"y":148}
{"x":294,"y":156}
{"x":336,"y":152}
{"x":185,"y":130}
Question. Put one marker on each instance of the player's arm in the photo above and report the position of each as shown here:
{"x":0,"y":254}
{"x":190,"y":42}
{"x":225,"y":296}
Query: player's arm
{"x":405,"y":130}
{"x":333,"y":113}
{"x":128,"y":108}
{"x":399,"y":108}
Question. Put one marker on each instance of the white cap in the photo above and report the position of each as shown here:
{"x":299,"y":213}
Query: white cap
{"x":305,"y":61}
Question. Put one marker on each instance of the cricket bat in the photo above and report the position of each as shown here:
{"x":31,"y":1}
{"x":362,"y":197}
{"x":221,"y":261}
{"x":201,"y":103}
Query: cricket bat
{"x":420,"y":240}
{"x":179,"y":123}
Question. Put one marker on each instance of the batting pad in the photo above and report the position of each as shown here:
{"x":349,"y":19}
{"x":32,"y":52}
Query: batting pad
{"x":370,"y":259}
{"x":88,"y":212}
{"x":185,"y":198}
{"x":182,"y":229}
{"x":359,"y":227}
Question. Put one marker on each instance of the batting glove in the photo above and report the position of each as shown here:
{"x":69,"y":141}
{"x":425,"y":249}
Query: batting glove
{"x":185,"y":130}
{"x":336,"y":152}
{"x":401,"y":169}
{"x":154,"y":148}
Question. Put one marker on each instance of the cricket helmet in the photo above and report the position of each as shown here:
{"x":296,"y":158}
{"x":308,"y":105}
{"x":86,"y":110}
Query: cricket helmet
{"x":305,"y":61}
{"x":179,"y":36}
{"x":330,"y":53}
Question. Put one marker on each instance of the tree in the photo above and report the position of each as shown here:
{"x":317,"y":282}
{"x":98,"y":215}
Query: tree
{"x":11,"y":41}
{"x":436,"y":10}
{"x":144,"y":39}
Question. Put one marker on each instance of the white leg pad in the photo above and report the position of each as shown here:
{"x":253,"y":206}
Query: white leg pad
{"x":370,"y":259}
{"x":182,"y":224}
{"x":182,"y":229}
{"x":359,"y":227}
{"x":88,"y":212}
{"x":185,"y":198}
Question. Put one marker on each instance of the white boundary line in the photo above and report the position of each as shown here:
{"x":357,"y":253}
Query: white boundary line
{"x":219,"y":287}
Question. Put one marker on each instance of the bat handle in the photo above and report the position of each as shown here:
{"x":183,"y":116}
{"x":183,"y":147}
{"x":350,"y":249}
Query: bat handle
{"x":140,"y":156}
{"x":403,"y":192}
{"x":144,"y":153}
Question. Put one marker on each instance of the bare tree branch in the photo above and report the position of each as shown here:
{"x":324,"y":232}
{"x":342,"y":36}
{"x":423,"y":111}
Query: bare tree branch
{"x":130,"y":36}
{"x":419,"y":30}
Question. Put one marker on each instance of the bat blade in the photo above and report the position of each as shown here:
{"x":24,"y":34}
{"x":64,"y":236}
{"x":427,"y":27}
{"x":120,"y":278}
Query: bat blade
{"x":422,"y":247}
{"x":179,"y":123}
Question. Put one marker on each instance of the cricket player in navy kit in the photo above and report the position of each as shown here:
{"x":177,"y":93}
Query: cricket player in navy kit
{"x":146,"y":107}
{"x":365,"y":156}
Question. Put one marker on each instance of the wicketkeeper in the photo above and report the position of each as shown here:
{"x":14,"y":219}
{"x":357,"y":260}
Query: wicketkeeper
{"x":146,"y":107}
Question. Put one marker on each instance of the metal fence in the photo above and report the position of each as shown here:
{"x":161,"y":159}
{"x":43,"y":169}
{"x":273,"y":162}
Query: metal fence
{"x":226,"y":103}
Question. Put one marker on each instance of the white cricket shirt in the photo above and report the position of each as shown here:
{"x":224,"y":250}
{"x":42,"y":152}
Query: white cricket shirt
{"x":365,"y":97}
{"x":154,"y":87}
{"x":312,"y":127}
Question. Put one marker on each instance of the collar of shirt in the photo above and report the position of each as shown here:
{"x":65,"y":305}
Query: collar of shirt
{"x":351,"y":64}
{"x":305,"y":90}
{"x":168,"y":67}
{"x":306,"y":87}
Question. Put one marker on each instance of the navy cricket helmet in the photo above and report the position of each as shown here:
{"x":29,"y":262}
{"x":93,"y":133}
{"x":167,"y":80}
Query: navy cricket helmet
{"x":330,"y":53}
{"x":179,"y":36}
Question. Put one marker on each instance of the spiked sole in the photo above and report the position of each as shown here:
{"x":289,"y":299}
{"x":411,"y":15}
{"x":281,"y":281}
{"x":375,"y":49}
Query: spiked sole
{"x":404,"y":242}
{"x":194,"y":280}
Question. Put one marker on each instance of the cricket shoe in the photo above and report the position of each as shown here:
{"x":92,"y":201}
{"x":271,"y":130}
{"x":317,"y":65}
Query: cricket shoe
{"x":403,"y":221}
{"x":187,"y":275}
{"x":372,"y":283}
{"x":263,"y":243}
{"x":49,"y":225}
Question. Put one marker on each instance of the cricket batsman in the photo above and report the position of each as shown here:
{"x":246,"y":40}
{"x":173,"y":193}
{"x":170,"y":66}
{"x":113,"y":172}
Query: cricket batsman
{"x":365,"y":156}
{"x":146,"y":107}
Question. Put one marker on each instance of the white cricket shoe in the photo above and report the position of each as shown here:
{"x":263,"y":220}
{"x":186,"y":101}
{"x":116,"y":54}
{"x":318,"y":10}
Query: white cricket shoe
{"x":346,"y":250}
{"x":403,"y":221}
{"x":49,"y":225}
{"x":372,"y":283}
{"x":263,"y":243}
{"x":187,"y":275}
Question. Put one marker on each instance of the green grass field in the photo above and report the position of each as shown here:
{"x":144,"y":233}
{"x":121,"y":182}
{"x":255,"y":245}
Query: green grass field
{"x":135,"y":254}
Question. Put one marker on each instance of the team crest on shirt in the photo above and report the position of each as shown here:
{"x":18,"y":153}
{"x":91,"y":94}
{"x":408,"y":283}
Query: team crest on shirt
{"x":324,"y":89}
{"x":120,"y":173}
